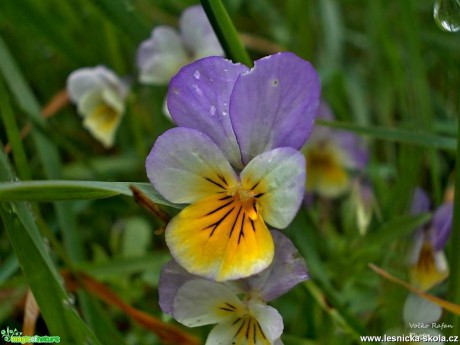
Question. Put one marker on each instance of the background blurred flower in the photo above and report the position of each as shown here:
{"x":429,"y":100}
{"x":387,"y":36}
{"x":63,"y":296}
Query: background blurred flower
{"x":100,"y":98}
{"x":427,"y":258}
{"x":162,"y":55}
{"x":237,"y":307}
{"x":331,"y":157}
{"x":363,"y":204}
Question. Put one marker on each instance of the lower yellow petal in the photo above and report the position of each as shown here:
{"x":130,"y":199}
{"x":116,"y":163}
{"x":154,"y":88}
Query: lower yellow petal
{"x":426,"y":273}
{"x":325,"y":173}
{"x":102,"y":123}
{"x":220,"y":237}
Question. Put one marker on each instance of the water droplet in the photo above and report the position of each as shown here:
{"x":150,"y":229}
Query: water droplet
{"x":212,"y":110}
{"x":69,"y":301}
{"x":224,"y":113}
{"x":197,"y":89}
{"x":196,"y":74}
{"x":447,"y":14}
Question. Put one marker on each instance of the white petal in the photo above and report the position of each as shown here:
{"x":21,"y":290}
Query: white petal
{"x":185,"y":165}
{"x":263,"y":325}
{"x":269,"y":319}
{"x":198,"y":34}
{"x":88,"y":79}
{"x":418,"y":309}
{"x":161,"y":56}
{"x":200,"y":302}
{"x":279,"y":176}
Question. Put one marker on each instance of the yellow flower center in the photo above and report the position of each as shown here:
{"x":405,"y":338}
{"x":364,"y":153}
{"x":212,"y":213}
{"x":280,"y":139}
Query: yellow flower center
{"x":425,"y":274}
{"x":246,"y":199}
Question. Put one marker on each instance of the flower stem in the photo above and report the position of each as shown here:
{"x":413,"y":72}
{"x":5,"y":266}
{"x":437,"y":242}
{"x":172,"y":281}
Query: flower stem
{"x":226,"y":31}
{"x":454,"y":279}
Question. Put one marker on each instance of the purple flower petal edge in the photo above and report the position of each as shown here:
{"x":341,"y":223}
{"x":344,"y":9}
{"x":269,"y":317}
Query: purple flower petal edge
{"x":442,"y":225}
{"x":420,"y":202}
{"x":286,"y":271}
{"x":172,"y":277}
{"x":199,"y":96}
{"x":274,"y":104}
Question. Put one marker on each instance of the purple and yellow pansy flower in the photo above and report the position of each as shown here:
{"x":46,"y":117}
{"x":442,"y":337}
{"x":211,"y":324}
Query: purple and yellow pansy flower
{"x":234,"y":158}
{"x":428,"y":264}
{"x":239,"y":308}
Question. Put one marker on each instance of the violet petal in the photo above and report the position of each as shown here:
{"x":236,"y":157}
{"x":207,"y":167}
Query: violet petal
{"x":198,"y":98}
{"x":442,"y":225}
{"x":287,"y":270}
{"x":274,"y":104}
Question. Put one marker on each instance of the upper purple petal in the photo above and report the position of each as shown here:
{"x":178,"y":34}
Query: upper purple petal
{"x":199,"y":97}
{"x":274,"y":104}
{"x":286,"y":271}
{"x":442,"y":225}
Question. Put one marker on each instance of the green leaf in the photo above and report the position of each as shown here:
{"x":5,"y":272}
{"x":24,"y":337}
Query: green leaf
{"x":55,"y":305}
{"x":398,"y":135}
{"x":226,"y":31}
{"x":50,"y":30}
{"x":393,"y":229}
{"x":47,"y":151}
{"x":74,"y":190}
{"x":454,"y":279}
{"x":124,"y":266}
{"x":13,"y":134}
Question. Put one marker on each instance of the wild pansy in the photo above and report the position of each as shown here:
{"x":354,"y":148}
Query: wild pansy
{"x":427,"y":259}
{"x":235,"y":159}
{"x":100,"y":98}
{"x":238,"y":307}
{"x":162,"y":55}
{"x":331,"y":155}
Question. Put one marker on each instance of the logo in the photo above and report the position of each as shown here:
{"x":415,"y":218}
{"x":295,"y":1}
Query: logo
{"x":14,"y":336}
{"x":10,"y":333}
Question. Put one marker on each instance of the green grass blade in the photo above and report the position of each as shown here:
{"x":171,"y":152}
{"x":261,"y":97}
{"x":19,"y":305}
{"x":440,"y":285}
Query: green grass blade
{"x":454,"y":259}
{"x":74,"y":190}
{"x":123,"y":17}
{"x":125,"y":266}
{"x":47,"y":152}
{"x":50,"y":30}
{"x":226,"y":32}
{"x":41,"y":275}
{"x":394,"y":229}
{"x":13,"y":134}
{"x":397,"y":135}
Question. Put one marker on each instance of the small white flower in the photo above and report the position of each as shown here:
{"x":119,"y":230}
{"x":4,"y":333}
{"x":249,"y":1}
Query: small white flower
{"x":100,"y":98}
{"x":161,"y":56}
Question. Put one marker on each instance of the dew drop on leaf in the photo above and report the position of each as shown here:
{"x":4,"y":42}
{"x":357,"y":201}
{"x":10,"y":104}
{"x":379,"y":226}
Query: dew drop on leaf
{"x":447,"y":14}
